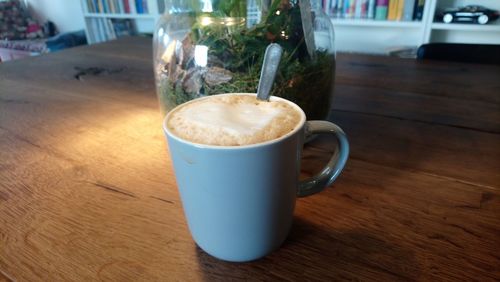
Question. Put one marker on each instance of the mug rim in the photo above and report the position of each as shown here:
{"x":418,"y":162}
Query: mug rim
{"x":299,"y":126}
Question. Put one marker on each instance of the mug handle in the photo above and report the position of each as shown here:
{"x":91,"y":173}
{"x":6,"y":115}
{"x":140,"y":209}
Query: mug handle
{"x":337,"y":162}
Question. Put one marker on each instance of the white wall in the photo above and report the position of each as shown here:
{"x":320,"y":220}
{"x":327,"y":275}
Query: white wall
{"x":65,"y":14}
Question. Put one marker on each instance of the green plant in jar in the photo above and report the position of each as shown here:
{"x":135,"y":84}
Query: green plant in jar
{"x":222,"y":52}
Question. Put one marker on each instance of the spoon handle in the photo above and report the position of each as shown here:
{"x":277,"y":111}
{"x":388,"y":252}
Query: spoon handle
{"x":270,"y":65}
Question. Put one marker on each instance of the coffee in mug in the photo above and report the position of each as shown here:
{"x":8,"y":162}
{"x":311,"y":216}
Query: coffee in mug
{"x":233,"y":120}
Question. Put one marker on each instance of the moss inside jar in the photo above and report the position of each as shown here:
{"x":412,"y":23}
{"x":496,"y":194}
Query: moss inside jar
{"x":220,"y":48}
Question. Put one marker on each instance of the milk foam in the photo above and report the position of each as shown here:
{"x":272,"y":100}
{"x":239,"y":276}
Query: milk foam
{"x":232,"y":120}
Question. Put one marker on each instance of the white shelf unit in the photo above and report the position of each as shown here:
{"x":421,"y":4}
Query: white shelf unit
{"x":356,"y":35}
{"x":142,"y":22}
{"x":381,"y":37}
{"x":466,"y":27}
{"x":377,"y":37}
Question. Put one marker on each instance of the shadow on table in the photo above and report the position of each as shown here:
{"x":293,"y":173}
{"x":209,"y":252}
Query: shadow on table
{"x":315,"y":252}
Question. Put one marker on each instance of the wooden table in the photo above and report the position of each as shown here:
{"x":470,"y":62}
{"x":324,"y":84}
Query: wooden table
{"x":87,"y":190}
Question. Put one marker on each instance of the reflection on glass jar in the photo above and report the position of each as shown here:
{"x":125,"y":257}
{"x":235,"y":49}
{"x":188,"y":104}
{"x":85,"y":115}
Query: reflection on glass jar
{"x":217,"y":46}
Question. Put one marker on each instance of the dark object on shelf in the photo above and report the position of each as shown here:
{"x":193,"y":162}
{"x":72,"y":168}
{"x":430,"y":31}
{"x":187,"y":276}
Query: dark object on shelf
{"x":468,"y":53}
{"x":468,"y":14}
{"x":418,"y":10}
{"x":123,"y":27}
{"x":49,"y":29}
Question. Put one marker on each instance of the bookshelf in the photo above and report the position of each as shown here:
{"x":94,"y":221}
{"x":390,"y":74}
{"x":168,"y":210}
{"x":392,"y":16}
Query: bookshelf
{"x":351,"y":34}
{"x":384,"y":36}
{"x":108,"y":19}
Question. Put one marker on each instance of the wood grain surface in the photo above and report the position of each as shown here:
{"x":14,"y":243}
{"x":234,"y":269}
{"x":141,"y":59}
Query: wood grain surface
{"x":87,"y":190}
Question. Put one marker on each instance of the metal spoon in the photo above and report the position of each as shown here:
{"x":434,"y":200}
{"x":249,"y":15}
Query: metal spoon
{"x":270,"y":65}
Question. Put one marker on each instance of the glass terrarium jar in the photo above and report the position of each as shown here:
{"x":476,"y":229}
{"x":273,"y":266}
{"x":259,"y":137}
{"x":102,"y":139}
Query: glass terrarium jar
{"x":207,"y":47}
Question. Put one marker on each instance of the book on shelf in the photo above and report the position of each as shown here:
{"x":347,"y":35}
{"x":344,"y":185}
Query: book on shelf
{"x":98,"y":32}
{"x":141,"y":6}
{"x":381,"y":9}
{"x":105,"y":6}
{"x":112,"y":6}
{"x":117,"y":6}
{"x":90,"y":36}
{"x":121,"y":7}
{"x":138,"y":6}
{"x":126,"y":6}
{"x":339,"y":7}
{"x":408,"y":10}
{"x":371,"y":9}
{"x":399,"y":10}
{"x":358,"y":9}
{"x":351,"y":8}
{"x":90,"y":6}
{"x":100,"y":7}
{"x":110,"y":30}
{"x":392,"y":10}
{"x":327,"y":7}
